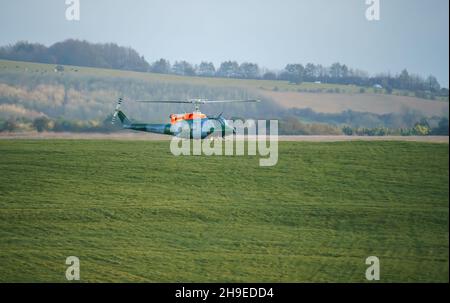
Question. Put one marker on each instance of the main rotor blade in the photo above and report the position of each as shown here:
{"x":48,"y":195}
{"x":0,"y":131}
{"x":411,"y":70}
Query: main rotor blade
{"x":228,"y":101}
{"x":165,"y":101}
{"x":197,"y":101}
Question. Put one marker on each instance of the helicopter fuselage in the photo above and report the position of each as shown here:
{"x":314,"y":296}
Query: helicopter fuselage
{"x":190,"y":126}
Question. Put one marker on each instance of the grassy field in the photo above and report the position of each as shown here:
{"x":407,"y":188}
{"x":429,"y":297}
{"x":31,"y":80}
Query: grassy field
{"x":131,"y":211}
{"x":41,"y":68}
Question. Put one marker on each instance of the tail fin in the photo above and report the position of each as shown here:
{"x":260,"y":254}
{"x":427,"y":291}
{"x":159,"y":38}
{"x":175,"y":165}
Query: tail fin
{"x":119,"y":113}
{"x":123,"y":118}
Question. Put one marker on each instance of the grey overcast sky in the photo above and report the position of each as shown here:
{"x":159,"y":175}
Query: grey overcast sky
{"x":411,"y":34}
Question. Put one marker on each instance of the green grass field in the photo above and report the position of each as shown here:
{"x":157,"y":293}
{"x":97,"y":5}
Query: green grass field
{"x":132,"y":212}
{"x":44,"y":69}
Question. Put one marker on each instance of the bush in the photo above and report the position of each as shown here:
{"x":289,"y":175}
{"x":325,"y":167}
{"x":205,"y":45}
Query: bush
{"x":347,"y":130}
{"x":421,"y":129}
{"x":43,"y":123}
{"x":442,"y":129}
{"x":293,"y":126}
{"x":9,"y":125}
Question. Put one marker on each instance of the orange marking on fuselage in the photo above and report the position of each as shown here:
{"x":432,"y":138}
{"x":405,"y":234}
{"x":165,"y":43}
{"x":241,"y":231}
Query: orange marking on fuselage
{"x":174,"y":118}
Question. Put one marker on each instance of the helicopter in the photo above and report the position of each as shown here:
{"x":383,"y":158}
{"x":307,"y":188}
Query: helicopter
{"x":210,"y":126}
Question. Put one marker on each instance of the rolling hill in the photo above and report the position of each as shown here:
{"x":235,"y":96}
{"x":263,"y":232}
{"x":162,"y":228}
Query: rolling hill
{"x":87,"y":95}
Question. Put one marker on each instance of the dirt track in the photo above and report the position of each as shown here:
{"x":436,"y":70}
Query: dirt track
{"x":148,"y":136}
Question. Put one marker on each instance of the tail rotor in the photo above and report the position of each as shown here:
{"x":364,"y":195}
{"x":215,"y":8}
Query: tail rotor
{"x":116,"y":112}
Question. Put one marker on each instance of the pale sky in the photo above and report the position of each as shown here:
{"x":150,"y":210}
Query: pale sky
{"x":411,"y":34}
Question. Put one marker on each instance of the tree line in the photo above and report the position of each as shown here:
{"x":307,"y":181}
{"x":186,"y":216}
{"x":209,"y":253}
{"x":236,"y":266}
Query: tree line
{"x":110,"y":55}
{"x":297,"y":73}
{"x":76,"y":52}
